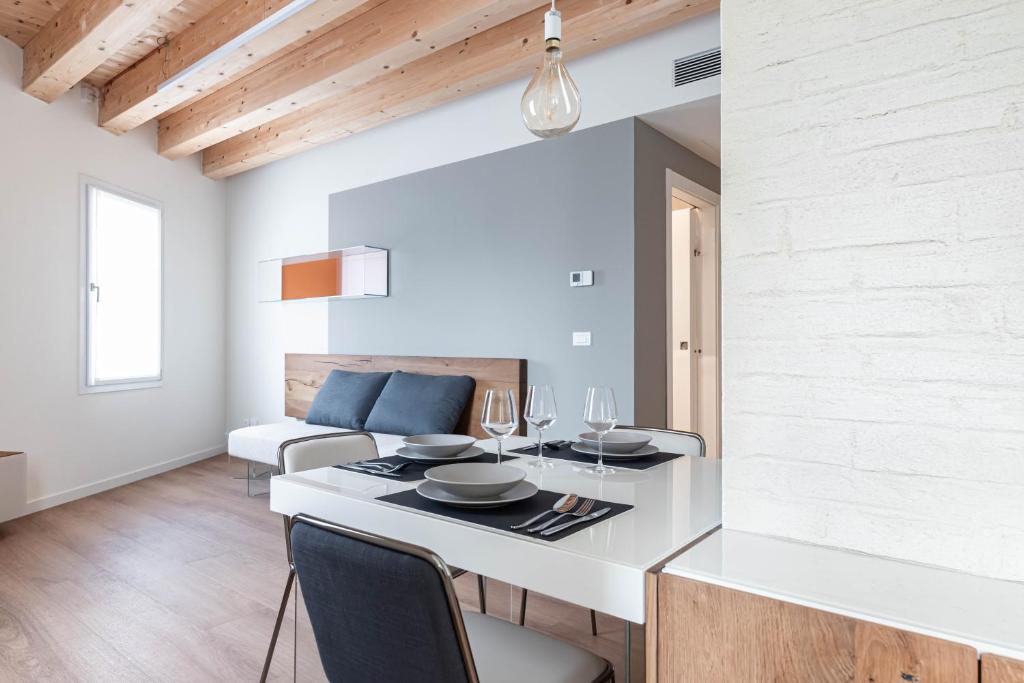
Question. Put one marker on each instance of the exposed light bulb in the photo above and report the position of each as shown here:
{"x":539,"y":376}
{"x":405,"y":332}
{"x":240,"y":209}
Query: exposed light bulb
{"x":551,"y":103}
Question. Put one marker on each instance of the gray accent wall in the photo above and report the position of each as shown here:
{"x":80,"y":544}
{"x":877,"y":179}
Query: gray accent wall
{"x":654,"y":153}
{"x":481,"y":252}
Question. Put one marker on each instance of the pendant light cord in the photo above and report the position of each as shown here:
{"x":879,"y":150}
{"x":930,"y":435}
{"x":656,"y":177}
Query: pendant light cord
{"x":553,"y":5}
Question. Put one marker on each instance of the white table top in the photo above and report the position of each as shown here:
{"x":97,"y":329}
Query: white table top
{"x":987,"y":614}
{"x":601,"y":566}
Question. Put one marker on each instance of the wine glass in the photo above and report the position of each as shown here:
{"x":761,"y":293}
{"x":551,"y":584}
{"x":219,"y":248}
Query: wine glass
{"x":541,"y":412}
{"x":601,"y":415}
{"x":499,"y":418}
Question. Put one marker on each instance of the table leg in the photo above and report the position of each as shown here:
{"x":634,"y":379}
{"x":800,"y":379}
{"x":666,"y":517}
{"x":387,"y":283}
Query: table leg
{"x":629,"y":653}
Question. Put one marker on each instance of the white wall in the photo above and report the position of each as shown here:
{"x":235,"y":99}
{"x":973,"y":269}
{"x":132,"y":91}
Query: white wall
{"x":873,"y":277}
{"x":281,"y":209}
{"x":78,"y":444}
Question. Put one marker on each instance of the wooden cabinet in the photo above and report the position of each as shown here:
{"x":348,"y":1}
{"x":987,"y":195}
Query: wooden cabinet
{"x":995,"y":669}
{"x":705,"y":633}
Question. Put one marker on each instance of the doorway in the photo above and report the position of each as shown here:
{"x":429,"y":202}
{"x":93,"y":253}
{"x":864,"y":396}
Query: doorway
{"x":694,"y":310}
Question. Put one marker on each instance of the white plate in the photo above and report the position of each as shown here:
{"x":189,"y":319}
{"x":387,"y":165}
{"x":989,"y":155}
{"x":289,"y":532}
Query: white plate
{"x":471,"y":452}
{"x":439,"y":445}
{"x":592,"y":452}
{"x":520,"y":491}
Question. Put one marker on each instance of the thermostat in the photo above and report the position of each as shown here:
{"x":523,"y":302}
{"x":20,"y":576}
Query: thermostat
{"x":581,"y":278}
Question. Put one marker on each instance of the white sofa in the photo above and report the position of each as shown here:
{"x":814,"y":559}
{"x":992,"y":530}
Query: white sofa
{"x":260,"y":444}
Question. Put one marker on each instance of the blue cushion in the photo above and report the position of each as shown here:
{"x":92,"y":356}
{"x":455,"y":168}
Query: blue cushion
{"x":420,"y":404}
{"x":346,"y":399}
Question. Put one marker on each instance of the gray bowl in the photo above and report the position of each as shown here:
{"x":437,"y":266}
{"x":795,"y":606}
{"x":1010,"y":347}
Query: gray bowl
{"x":438,"y":445}
{"x":617,"y":440}
{"x":475,"y":479}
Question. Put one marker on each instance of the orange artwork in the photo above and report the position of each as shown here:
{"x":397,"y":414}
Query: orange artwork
{"x":309,"y":279}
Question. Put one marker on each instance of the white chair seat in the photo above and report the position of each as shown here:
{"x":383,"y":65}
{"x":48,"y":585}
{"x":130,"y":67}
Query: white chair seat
{"x":507,"y":653}
{"x":261,"y":443}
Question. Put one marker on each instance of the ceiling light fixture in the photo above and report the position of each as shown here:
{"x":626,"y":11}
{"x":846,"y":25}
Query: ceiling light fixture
{"x":551,"y":103}
{"x":278,"y":17}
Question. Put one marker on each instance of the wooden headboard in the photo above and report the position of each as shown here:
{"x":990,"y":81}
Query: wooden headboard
{"x":304,"y":373}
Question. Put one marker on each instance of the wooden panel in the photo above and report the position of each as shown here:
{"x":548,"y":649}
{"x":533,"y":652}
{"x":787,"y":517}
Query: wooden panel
{"x":506,"y":52}
{"x":305,"y":373}
{"x":6,"y":454}
{"x":651,"y":627}
{"x":134,"y":97}
{"x":79,"y":38}
{"x":996,"y":669}
{"x":707,"y":633}
{"x":386,"y":37}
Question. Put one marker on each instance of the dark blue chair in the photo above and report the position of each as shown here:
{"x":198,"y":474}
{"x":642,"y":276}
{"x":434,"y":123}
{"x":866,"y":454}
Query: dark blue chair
{"x":386,"y":611}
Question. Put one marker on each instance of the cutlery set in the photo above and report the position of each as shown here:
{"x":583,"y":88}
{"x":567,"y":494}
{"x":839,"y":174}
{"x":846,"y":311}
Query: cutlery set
{"x":382,"y":468}
{"x":569,"y":505}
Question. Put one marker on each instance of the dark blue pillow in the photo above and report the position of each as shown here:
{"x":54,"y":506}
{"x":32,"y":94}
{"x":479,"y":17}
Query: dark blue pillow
{"x":346,"y":398}
{"x":420,"y":404}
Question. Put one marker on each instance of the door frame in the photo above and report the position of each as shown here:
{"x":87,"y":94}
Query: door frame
{"x":710,"y":202}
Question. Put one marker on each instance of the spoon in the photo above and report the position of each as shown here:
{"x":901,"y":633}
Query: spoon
{"x":562,"y":505}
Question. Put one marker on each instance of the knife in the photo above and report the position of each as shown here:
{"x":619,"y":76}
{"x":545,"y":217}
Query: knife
{"x":562,"y":527}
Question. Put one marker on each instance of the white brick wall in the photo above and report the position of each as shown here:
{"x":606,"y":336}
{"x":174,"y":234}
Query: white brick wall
{"x":873,"y":276}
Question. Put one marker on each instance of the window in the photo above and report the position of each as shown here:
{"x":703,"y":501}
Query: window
{"x":122,"y":289}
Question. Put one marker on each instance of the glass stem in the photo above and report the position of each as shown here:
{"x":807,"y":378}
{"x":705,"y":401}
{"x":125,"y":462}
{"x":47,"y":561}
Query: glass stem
{"x":600,"y":452}
{"x":500,"y":441}
{"x":540,"y":445}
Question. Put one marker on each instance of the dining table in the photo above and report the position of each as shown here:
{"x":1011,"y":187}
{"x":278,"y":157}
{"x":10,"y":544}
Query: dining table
{"x":602,"y":566}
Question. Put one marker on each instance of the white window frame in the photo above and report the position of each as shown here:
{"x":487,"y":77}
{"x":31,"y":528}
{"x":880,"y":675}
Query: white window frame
{"x":85,"y":321}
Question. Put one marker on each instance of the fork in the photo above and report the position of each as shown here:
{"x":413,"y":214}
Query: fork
{"x":581,"y":510}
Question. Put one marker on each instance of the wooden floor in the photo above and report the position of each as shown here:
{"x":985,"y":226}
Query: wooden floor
{"x":178,"y":578}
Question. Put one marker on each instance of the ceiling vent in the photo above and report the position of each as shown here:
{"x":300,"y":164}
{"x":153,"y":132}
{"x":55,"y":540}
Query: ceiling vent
{"x":698,"y":67}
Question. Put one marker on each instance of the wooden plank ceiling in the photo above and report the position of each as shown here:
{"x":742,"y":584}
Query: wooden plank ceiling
{"x":246,"y":82}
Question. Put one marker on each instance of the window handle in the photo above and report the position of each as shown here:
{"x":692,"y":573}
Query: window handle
{"x":93,"y":287}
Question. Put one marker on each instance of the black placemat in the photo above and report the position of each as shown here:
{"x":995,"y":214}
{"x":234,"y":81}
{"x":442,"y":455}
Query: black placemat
{"x":566,"y":453}
{"x":504,"y":517}
{"x":415,"y":470}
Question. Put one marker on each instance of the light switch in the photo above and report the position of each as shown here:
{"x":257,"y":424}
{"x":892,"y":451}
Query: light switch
{"x":581,"y":338}
{"x":581,"y":278}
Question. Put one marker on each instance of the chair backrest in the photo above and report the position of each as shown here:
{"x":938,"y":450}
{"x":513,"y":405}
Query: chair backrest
{"x":324,"y":450}
{"x":381,"y":610}
{"x":673,"y":441}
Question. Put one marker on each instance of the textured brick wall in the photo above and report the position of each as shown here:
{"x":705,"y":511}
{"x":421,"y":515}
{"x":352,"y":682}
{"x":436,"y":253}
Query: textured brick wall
{"x":873,"y":276}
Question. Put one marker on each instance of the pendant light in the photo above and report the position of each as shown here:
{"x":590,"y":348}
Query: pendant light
{"x":551,"y":103}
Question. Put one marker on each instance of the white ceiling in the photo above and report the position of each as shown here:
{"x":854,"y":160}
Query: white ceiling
{"x":694,"y":125}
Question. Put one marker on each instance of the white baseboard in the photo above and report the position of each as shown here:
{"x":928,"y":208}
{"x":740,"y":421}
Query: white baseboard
{"x":120,"y":480}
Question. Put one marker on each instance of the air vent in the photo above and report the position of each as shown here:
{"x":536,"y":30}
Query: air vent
{"x":698,"y":67}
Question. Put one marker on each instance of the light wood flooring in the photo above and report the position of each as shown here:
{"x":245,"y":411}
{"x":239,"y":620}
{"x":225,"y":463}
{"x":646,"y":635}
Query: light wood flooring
{"x":178,"y":578}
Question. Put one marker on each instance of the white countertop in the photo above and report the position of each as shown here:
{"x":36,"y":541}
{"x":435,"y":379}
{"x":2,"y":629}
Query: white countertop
{"x":600,"y":567}
{"x":987,"y":614}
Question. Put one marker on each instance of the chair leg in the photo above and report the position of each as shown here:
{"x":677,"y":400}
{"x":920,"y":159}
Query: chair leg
{"x":277,"y":624}
{"x":481,"y":589}
{"x":593,"y":623}
{"x":522,"y":608}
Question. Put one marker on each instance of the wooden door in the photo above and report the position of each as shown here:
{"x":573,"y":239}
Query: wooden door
{"x":995,"y":669}
{"x":710,"y":634}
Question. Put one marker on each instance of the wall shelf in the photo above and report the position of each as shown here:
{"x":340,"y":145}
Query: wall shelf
{"x":359,"y":272}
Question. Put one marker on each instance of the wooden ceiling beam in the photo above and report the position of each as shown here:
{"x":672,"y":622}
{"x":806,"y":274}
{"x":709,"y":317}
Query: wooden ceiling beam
{"x":136,"y":96}
{"x":509,"y":51}
{"x":79,"y":38}
{"x":381,"y":39}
